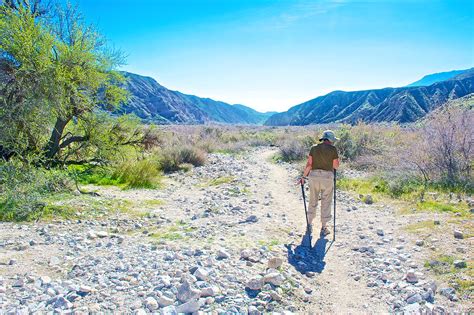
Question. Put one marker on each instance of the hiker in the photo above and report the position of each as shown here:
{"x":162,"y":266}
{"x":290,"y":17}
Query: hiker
{"x":322,"y":161}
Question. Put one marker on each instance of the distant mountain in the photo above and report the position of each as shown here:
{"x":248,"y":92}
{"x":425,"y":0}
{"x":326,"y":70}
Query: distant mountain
{"x":402,"y":105}
{"x":438,"y":77}
{"x":152,"y":102}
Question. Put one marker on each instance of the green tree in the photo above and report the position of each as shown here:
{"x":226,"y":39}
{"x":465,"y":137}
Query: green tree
{"x":54,"y":71}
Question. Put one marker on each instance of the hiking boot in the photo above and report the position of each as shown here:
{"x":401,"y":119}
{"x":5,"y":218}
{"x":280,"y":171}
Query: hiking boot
{"x":325,"y":231}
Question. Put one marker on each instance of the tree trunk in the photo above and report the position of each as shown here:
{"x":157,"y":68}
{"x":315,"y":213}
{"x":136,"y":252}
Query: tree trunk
{"x":53,"y":145}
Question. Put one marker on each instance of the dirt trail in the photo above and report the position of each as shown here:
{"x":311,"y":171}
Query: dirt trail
{"x":226,"y":219}
{"x":334,"y":290}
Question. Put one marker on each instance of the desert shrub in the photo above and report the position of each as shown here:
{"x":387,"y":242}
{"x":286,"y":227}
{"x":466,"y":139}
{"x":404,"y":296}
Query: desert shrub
{"x":191,"y":155}
{"x":142,"y":173}
{"x":442,"y":149}
{"x":363,"y":140}
{"x":295,"y":150}
{"x":23,"y":188}
{"x":170,"y":159}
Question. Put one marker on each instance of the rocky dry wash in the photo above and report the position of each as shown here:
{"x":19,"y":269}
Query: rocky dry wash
{"x":225,"y":240}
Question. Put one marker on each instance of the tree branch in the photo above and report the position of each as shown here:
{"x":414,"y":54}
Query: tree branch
{"x":73,"y":139}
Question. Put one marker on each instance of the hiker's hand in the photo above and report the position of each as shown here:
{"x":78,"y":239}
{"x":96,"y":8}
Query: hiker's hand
{"x":301,"y":180}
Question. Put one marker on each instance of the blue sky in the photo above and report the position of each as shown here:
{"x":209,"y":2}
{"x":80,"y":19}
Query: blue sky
{"x":271,"y":55}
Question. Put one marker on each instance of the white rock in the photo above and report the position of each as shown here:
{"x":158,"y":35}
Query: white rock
{"x":201,"y":274}
{"x":274,"y":278}
{"x":165,"y":301}
{"x":151,"y":303}
{"x":189,"y":307}
{"x":102,"y":234}
{"x":209,"y":291}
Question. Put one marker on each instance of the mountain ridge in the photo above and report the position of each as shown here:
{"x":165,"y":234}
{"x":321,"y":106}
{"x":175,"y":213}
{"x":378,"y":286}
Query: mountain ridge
{"x":154,"y":103}
{"x":430,"y":79}
{"x":402,"y":105}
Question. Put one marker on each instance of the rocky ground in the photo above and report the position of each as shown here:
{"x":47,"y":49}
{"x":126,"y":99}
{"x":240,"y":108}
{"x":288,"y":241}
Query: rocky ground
{"x":225,"y":238}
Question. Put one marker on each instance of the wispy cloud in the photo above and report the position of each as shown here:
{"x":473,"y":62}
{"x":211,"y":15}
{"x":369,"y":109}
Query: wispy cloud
{"x":305,"y":9}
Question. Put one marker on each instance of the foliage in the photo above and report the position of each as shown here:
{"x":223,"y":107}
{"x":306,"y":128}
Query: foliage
{"x":23,"y":188}
{"x":54,"y":71}
{"x":171,"y":159}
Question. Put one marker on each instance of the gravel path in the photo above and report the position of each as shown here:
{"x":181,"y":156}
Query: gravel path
{"x":226,"y":239}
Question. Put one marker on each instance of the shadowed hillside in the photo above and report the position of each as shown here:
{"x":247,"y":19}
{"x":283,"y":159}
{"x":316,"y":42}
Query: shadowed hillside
{"x":153,"y":102}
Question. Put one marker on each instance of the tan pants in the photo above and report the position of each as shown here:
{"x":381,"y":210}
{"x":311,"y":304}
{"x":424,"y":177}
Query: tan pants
{"x":320,"y":182}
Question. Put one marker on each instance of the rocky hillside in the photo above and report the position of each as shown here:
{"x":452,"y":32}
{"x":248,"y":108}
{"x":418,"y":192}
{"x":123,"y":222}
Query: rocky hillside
{"x":153,"y":102}
{"x":403,"y":105}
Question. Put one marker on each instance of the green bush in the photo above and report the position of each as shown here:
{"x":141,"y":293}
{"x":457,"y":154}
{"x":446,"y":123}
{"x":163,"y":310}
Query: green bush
{"x":142,"y":173}
{"x":23,"y":188}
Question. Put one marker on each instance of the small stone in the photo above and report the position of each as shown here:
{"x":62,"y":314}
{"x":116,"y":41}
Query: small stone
{"x":437,"y":222}
{"x":53,"y":261}
{"x":460,"y":264}
{"x":45,"y":280}
{"x":274,"y":278}
{"x":168,"y":310}
{"x":86,"y":289}
{"x":3,"y":289}
{"x":458,"y":234}
{"x":201,"y":274}
{"x":61,"y":302}
{"x":102,"y":234}
{"x":274,"y":262}
{"x":380,"y":232}
{"x":151,"y":303}
{"x":222,"y":254}
{"x":253,"y":310}
{"x":368,"y":199}
{"x":419,"y":242}
{"x":411,"y":277}
{"x":255,"y":283}
{"x":209,"y":291}
{"x":91,"y":235}
{"x":252,"y":219}
{"x":415,"y":298}
{"x":186,"y":292}
{"x":450,"y":293}
{"x":165,"y":301}
{"x":189,"y":307}
{"x":12,"y":262}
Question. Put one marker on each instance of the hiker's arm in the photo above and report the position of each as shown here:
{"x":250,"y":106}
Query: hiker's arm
{"x":335,"y":164}
{"x":308,"y":167}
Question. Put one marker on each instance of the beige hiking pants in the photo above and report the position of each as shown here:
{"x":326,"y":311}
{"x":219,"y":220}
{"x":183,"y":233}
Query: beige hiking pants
{"x":320,"y":182}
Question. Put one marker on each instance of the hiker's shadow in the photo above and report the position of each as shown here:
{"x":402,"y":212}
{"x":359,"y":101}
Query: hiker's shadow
{"x":305,"y":259}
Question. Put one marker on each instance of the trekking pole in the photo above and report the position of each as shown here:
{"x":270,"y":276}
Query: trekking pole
{"x":334,"y":235}
{"x":306,"y":213}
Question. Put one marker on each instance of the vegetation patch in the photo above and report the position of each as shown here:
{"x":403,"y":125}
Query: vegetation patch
{"x":177,"y":231}
{"x":420,"y":226}
{"x":270,"y":244}
{"x":218,"y":181}
{"x":461,"y":279}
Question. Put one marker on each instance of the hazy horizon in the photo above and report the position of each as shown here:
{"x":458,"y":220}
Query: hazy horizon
{"x":272,"y":55}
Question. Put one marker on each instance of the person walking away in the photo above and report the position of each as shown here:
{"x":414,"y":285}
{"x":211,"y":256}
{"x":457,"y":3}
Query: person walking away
{"x":323,"y":159}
